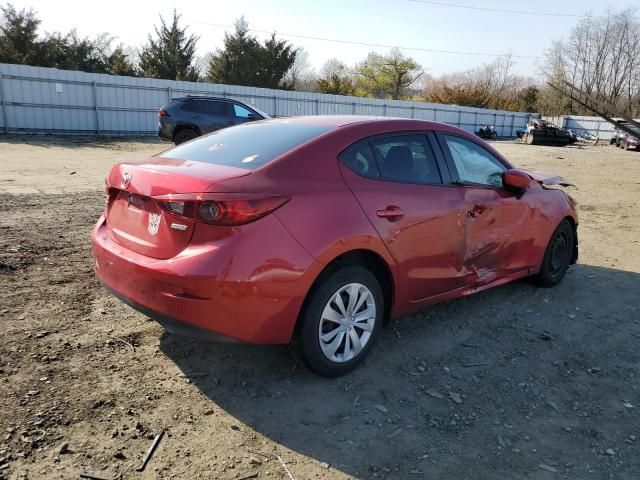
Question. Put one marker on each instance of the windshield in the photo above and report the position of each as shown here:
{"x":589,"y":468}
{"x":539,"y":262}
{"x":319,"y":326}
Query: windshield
{"x":249,"y":145}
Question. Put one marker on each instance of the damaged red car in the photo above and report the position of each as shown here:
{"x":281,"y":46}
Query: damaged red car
{"x":315,"y":231}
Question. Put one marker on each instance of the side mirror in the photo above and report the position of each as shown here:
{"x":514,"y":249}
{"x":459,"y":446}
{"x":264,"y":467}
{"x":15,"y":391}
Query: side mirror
{"x":516,"y":180}
{"x":252,"y":117}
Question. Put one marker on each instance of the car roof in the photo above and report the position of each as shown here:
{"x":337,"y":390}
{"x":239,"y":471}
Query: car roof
{"x":344,"y":120}
{"x":204,"y":97}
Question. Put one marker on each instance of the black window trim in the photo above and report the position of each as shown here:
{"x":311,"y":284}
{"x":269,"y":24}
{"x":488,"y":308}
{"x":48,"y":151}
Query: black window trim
{"x":430,"y":142}
{"x":455,"y":177}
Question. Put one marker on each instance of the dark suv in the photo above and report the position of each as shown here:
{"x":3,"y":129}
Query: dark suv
{"x":189,"y":117}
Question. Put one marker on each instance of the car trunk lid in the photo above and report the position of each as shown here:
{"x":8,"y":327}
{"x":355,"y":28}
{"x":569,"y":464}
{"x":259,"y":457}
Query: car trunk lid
{"x":136,"y":219}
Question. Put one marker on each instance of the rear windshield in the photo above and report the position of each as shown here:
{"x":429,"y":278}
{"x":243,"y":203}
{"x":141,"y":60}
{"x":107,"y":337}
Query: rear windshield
{"x":249,"y":146}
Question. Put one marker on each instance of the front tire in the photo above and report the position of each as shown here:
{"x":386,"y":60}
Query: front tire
{"x":340,"y":321}
{"x":558,"y":256}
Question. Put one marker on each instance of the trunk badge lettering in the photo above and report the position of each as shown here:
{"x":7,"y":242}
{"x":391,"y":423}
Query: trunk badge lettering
{"x":179,"y":226}
{"x":154,"y":223}
{"x":125,"y":181}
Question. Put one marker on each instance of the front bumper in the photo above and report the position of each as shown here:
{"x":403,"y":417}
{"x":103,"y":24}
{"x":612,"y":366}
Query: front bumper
{"x":214,"y":290}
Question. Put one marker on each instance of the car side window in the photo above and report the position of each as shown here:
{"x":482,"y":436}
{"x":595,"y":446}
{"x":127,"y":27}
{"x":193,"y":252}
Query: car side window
{"x":216,"y":108}
{"x":406,"y":158}
{"x":359,"y":158}
{"x":473,"y":163}
{"x":193,"y":107}
{"x":240,"y":112}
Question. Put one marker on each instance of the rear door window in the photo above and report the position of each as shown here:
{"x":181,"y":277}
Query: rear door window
{"x":249,"y":145}
{"x":216,"y":108}
{"x":406,"y":158}
{"x":193,"y":107}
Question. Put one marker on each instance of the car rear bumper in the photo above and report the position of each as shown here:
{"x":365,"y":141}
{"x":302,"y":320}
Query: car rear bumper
{"x":211,"y":290}
{"x":165,"y":132}
{"x":171,"y":324}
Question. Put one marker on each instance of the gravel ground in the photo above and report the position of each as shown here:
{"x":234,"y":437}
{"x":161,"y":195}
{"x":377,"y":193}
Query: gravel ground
{"x":516,"y":382}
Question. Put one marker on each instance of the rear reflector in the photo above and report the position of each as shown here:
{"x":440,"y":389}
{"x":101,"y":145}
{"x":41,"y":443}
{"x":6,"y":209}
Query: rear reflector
{"x":226,"y":209}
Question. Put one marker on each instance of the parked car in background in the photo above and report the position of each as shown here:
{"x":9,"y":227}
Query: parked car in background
{"x":316,"y":230}
{"x":631,"y":142}
{"x":618,"y":134}
{"x":186,"y":118}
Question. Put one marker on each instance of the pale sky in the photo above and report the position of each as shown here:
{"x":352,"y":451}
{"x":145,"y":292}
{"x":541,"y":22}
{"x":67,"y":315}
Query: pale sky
{"x":402,"y":23}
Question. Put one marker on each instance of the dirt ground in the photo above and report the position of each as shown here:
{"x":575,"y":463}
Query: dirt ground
{"x":516,"y":382}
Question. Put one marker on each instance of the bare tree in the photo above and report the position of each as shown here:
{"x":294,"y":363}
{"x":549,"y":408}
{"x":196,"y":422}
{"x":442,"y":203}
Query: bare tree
{"x":601,"y":56}
{"x":301,"y":76}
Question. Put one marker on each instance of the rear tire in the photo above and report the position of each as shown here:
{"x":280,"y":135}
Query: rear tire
{"x":340,"y":321}
{"x":557,"y":257}
{"x":184,"y":135}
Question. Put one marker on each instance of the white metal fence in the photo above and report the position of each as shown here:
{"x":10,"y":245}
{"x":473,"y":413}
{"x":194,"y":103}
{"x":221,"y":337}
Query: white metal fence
{"x":47,"y":100}
{"x":596,"y":126}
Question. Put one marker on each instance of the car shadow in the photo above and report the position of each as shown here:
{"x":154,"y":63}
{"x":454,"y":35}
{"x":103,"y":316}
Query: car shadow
{"x":475,"y":388}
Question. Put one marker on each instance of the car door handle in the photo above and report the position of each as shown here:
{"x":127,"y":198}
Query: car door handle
{"x":476,"y":210}
{"x":391,"y":213}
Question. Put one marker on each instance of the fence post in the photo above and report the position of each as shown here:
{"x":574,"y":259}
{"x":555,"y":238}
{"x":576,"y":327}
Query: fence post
{"x":317,"y":106}
{"x":4,"y":105}
{"x":353,"y":111}
{"x":95,"y":106}
{"x":275,"y":106}
{"x":413,"y":111}
{"x":384,"y":110}
{"x":169,"y":94}
{"x":475,"y":125}
{"x":459,"y":125}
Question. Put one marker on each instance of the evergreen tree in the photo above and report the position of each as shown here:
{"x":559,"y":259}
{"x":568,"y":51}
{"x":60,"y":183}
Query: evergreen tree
{"x":277,"y":57}
{"x":236,"y":63}
{"x":244,"y":61}
{"x":171,"y":54}
{"x":18,"y":36}
{"x":119,"y":63}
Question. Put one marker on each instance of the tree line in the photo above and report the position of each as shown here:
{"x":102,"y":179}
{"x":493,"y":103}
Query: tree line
{"x":600,"y":55}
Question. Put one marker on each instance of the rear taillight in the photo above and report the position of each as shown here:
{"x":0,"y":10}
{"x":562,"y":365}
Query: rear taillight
{"x":227,"y":209}
{"x":163,"y":113}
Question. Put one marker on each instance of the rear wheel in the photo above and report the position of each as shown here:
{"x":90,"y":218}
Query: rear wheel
{"x":184,"y":135}
{"x":557,"y":257}
{"x":340,"y":321}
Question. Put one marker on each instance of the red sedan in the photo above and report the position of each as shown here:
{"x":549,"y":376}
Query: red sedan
{"x":316,"y":230}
